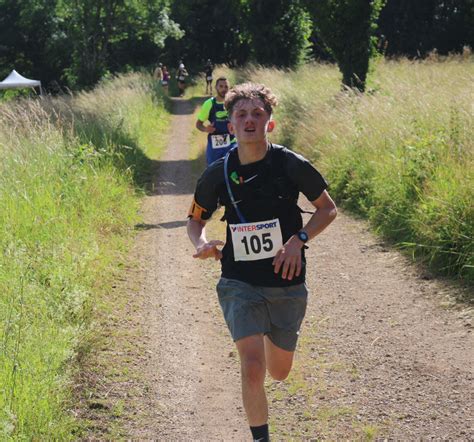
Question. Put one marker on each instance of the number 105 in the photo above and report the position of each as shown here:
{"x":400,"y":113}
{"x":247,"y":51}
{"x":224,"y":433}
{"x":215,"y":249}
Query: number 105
{"x":257,"y":244}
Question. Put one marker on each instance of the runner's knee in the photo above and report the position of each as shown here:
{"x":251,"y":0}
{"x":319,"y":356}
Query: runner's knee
{"x":279,"y":373}
{"x":253,"y":371}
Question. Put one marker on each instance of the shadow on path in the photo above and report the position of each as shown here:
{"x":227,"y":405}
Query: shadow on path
{"x":193,"y":102}
{"x":172,"y":177}
{"x":175,"y":175}
{"x":166,"y":225}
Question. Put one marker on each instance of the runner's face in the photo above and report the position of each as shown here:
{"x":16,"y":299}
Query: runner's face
{"x":222,"y":88}
{"x":250,"y":122}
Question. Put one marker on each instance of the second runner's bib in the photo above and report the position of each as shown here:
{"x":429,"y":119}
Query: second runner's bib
{"x":259,"y":240}
{"x":220,"y":141}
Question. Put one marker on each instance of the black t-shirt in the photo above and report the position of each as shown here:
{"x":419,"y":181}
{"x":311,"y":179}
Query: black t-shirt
{"x":265,"y":190}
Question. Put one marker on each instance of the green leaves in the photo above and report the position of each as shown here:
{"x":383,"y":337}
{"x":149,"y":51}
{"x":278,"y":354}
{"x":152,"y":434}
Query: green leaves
{"x":279,"y":32}
{"x":106,"y":33}
{"x":81,"y":40}
{"x":346,"y":27}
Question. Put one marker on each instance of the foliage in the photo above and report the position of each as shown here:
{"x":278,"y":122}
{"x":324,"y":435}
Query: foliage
{"x":417,"y":28}
{"x":401,"y":156}
{"x":76,"y":43}
{"x":103,"y":31}
{"x":284,"y":23}
{"x":212,"y":30}
{"x":80,"y":41}
{"x":347,"y":27}
{"x":30,"y":39}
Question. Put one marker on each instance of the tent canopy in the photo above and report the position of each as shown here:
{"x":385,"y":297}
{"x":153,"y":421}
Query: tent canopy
{"x":15,"y":80}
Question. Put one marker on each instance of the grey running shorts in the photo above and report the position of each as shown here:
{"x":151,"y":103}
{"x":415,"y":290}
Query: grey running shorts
{"x":274,"y":311}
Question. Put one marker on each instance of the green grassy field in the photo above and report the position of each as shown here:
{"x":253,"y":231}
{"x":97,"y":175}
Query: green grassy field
{"x":72,"y":173}
{"x":401,"y":155}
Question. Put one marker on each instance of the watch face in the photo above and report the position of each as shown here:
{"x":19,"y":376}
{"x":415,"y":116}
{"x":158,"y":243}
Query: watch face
{"x":303,"y":236}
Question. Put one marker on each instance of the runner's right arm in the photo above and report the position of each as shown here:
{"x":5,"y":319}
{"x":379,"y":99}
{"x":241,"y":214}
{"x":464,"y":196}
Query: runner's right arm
{"x":199,"y":214}
{"x":208,"y":129}
{"x":197,"y":234}
{"x":204,"y":116}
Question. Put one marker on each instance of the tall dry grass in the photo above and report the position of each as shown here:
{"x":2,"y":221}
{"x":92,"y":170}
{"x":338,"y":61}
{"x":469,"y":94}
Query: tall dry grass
{"x":68,"y":201}
{"x":401,"y":154}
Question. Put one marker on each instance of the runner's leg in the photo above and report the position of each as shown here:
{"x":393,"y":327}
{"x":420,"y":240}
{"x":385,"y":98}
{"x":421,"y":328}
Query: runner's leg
{"x":278,"y":361}
{"x":252,"y":361}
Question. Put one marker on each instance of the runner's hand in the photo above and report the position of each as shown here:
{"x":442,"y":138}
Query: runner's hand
{"x":288,"y":259}
{"x":210,"y":128}
{"x":209,"y":250}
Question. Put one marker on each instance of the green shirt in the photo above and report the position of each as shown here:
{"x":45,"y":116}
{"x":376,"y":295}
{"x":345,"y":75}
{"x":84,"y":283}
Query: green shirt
{"x":203,"y":114}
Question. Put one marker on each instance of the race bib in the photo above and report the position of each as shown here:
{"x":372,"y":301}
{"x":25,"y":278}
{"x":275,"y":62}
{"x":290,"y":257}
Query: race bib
{"x":209,"y":78}
{"x":220,"y":141}
{"x":181,"y":78}
{"x":253,"y":241}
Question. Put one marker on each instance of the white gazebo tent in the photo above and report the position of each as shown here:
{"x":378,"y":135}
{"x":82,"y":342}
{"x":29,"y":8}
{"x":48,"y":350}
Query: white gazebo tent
{"x":16,"y":81}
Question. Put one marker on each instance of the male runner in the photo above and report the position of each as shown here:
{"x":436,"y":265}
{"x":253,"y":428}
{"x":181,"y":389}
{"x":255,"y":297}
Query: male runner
{"x":261,"y":291}
{"x":219,"y":140}
{"x":181,"y":75}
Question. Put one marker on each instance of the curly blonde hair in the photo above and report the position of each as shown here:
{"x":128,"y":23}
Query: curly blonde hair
{"x":249,"y":91}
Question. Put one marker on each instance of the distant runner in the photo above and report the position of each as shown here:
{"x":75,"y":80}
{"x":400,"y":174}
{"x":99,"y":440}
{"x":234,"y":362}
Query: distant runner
{"x":219,"y":140}
{"x":262,"y":288}
{"x":209,"y":68}
{"x":165,"y":80}
{"x":181,"y":77}
{"x":158,"y":73}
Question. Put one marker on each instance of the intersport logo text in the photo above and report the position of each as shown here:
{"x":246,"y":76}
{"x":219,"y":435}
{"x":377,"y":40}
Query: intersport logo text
{"x":253,"y":227}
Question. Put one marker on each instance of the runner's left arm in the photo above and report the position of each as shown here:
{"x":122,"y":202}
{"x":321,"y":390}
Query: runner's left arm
{"x":313,"y":186}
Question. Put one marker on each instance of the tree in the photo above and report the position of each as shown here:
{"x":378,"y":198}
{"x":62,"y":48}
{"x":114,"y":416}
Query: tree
{"x":98,"y":29}
{"x":416,"y":28}
{"x":212,"y":30}
{"x":347,"y":28}
{"x":30,"y":40}
{"x":80,"y":40}
{"x":271,"y":32}
{"x":279,"y":31}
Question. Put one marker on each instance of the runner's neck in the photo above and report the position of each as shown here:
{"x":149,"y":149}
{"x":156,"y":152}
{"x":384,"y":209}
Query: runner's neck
{"x":251,"y":153}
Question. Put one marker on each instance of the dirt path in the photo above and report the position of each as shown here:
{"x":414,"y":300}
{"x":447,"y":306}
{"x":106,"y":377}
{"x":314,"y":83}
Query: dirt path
{"x":194,"y":383}
{"x":379,"y":356}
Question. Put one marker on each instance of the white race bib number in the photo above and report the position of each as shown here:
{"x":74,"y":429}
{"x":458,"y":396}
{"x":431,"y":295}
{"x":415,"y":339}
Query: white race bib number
{"x":253,"y":241}
{"x":181,"y":78}
{"x":220,"y":141}
{"x":209,"y":78}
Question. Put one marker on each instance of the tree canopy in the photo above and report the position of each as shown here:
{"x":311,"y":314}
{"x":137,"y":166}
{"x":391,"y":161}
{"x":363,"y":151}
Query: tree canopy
{"x":347,"y":27}
{"x":74,"y":43}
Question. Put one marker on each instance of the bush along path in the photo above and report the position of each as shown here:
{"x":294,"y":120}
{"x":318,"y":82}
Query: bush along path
{"x":385,"y":352}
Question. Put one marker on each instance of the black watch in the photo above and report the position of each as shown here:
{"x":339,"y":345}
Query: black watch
{"x":303,"y":236}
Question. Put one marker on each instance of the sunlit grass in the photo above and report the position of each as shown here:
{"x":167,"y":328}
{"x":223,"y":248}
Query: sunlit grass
{"x":68,"y":200}
{"x":401,"y":154}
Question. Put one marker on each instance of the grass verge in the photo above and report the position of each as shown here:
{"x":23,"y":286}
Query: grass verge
{"x":68,"y":202}
{"x":401,"y":155}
